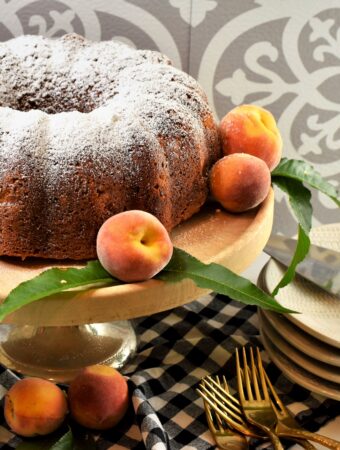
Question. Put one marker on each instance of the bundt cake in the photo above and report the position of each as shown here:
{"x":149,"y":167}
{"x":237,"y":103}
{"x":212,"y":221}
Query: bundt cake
{"x":90,"y":129}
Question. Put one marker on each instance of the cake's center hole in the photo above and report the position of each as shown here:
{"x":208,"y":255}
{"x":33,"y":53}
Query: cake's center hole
{"x":52,"y":103}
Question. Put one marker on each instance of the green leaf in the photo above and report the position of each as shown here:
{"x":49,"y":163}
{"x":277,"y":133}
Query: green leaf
{"x":300,"y":200}
{"x":64,"y":443}
{"x":301,"y":250}
{"x":304,"y":172}
{"x":182,"y":265}
{"x":217,"y":278}
{"x":53,"y":281}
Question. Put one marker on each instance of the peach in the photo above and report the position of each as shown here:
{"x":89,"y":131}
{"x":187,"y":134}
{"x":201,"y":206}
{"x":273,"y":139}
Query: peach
{"x":253,"y":130}
{"x":133,"y":246}
{"x":98,"y":397}
{"x":34,"y":406}
{"x":240,"y":181}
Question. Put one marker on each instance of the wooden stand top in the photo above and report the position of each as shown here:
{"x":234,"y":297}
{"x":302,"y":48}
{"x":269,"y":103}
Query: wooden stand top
{"x":212,"y":235}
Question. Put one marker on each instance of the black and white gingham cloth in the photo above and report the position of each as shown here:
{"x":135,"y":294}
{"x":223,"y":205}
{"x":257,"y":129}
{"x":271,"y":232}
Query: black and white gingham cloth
{"x":176,"y":349}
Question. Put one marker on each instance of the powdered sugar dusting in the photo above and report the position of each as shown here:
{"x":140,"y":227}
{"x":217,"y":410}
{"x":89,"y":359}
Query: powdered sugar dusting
{"x":122,"y":116}
{"x":132,"y":89}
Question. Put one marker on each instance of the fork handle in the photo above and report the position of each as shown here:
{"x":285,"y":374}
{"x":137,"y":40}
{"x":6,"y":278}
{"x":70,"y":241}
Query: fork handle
{"x":272,"y":436}
{"x":305,"y":444}
{"x":315,"y":437}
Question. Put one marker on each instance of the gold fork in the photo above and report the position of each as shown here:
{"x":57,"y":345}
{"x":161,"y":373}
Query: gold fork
{"x":283,"y":414}
{"x":215,"y":392}
{"x":256,"y":404}
{"x":288,"y":427}
{"x":235,"y":416}
{"x":225,"y":437}
{"x":225,"y":405}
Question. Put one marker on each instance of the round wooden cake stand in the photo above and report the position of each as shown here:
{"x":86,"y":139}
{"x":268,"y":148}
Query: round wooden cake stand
{"x":56,"y":337}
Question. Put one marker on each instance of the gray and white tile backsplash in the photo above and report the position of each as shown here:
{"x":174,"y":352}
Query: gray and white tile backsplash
{"x":281,"y":54}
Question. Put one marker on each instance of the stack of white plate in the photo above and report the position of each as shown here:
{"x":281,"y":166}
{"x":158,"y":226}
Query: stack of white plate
{"x":305,"y":346}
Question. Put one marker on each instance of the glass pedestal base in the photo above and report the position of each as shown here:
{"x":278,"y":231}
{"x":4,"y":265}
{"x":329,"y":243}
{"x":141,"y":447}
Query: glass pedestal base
{"x":59,"y":353}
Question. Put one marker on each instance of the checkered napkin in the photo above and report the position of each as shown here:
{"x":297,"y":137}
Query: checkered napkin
{"x":176,"y":349}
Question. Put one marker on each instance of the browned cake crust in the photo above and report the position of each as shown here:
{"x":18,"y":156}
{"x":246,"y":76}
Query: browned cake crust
{"x":88,"y":130}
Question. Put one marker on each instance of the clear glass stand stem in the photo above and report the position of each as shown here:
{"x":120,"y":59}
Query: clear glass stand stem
{"x":59,"y":353}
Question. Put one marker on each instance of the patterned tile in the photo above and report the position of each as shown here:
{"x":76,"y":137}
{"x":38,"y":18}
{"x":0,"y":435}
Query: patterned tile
{"x":285,"y":57}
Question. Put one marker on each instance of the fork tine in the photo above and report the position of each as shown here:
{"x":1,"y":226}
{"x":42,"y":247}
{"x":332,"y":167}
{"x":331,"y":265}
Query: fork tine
{"x":246,"y":375}
{"x":223,"y":403}
{"x":220,"y":409}
{"x":226,"y":432}
{"x":218,"y":417}
{"x":277,"y":399}
{"x":254,"y":375}
{"x":258,"y":412}
{"x":209,"y":417}
{"x":261,"y":371}
{"x":226,"y":387}
{"x":208,"y":394}
{"x":231,"y":397}
{"x":239,"y":378}
{"x":218,"y":420}
{"x":226,"y":396}
{"x":216,"y":389}
{"x":214,"y":406}
{"x":233,"y":420}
